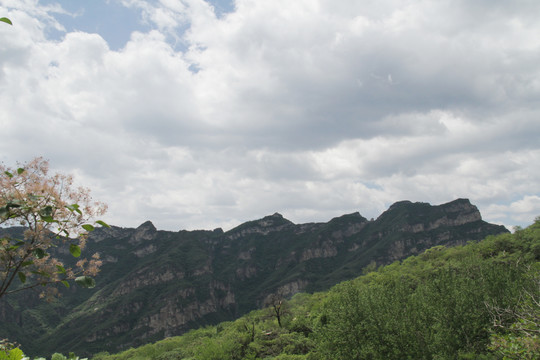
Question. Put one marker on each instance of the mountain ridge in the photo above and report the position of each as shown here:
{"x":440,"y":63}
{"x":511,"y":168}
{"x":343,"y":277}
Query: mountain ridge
{"x":157,"y":283}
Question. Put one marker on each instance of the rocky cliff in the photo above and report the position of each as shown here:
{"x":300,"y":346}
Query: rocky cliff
{"x":157,"y":283}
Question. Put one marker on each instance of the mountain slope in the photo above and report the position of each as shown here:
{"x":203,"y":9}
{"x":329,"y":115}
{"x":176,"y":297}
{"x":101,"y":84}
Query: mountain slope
{"x":156,"y":284}
{"x":478,"y":301}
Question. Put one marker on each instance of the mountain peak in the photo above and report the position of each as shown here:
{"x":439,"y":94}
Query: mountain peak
{"x":146,"y":231}
{"x":275,"y":216}
{"x":267,"y":224}
{"x":276,"y":219}
{"x":354,"y":217}
{"x":399,"y":204}
{"x":147,"y":225}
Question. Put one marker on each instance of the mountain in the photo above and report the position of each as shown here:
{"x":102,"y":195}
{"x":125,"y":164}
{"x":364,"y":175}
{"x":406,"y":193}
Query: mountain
{"x":477,"y":301}
{"x":156,"y":284}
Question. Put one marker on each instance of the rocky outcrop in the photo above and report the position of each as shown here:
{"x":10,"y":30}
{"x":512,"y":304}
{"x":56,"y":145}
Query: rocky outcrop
{"x":246,"y":272}
{"x":147,"y":250}
{"x":293,"y":288}
{"x":326,"y":250}
{"x":145,"y":277}
{"x":145,"y":232}
{"x":172,"y":317}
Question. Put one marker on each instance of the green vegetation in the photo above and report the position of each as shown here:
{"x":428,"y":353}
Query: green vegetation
{"x":477,"y":301}
{"x":10,"y":351}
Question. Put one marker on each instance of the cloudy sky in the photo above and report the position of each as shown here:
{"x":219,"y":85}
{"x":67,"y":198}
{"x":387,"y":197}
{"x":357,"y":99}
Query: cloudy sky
{"x":201,"y":114}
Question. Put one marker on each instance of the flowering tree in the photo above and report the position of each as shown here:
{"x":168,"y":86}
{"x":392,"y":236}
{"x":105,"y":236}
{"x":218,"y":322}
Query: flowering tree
{"x":51,"y":213}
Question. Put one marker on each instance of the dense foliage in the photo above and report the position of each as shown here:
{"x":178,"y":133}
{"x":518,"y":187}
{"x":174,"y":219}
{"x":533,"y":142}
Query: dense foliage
{"x":475,"y":301}
{"x":50,"y":213}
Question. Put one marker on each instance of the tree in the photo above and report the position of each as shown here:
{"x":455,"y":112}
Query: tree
{"x":516,"y":329}
{"x":46,"y":215}
{"x":279,"y":306}
{"x":521,"y":339}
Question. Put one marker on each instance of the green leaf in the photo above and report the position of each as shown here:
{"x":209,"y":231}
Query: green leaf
{"x":10,"y":175}
{"x":46,"y":214}
{"x":61,"y":269}
{"x":15,"y":246}
{"x":46,"y":211}
{"x":20,"y":171}
{"x":85,"y":281}
{"x":39,"y":253}
{"x":26,"y":263}
{"x":102,"y":223}
{"x":42,"y":273}
{"x":22,"y":277}
{"x":48,"y":219}
{"x":6,"y":20}
{"x":74,"y":207}
{"x":34,"y":198}
{"x":65,"y":283}
{"x":13,"y":205}
{"x":88,"y":227}
{"x":75,"y":250}
{"x":13,"y":354}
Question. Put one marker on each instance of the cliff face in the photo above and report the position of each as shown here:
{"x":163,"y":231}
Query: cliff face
{"x":157,"y":283}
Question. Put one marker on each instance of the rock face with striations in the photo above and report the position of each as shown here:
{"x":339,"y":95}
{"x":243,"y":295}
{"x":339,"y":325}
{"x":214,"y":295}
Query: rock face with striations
{"x":155,"y":284}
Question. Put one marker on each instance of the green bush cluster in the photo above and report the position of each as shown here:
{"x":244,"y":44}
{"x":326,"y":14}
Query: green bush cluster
{"x":14,"y":353}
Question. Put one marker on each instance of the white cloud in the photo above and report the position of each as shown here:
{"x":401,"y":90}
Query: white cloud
{"x":308,"y":108}
{"x":520,"y":212}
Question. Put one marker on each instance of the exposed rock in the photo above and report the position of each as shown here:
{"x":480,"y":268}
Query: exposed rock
{"x":327,"y":250}
{"x":246,"y":272}
{"x":102,"y":233}
{"x":171,"y":315}
{"x":354,"y":247}
{"x":206,"y":269}
{"x":109,"y":259}
{"x":293,"y":288}
{"x":147,"y":276}
{"x":145,"y":232}
{"x":147,"y":250}
{"x":286,"y":291}
{"x":246,"y":255}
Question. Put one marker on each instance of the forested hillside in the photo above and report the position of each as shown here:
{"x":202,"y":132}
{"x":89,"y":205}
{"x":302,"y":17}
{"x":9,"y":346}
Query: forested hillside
{"x":477,"y":301}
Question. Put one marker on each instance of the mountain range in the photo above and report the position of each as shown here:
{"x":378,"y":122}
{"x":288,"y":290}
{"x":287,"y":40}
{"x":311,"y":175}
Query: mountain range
{"x":155,"y":284}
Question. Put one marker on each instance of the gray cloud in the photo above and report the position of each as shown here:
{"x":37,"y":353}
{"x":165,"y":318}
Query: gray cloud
{"x":312,"y":109}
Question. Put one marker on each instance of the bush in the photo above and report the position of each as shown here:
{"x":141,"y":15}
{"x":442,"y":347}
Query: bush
{"x":171,"y":355}
{"x":13,"y":354}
